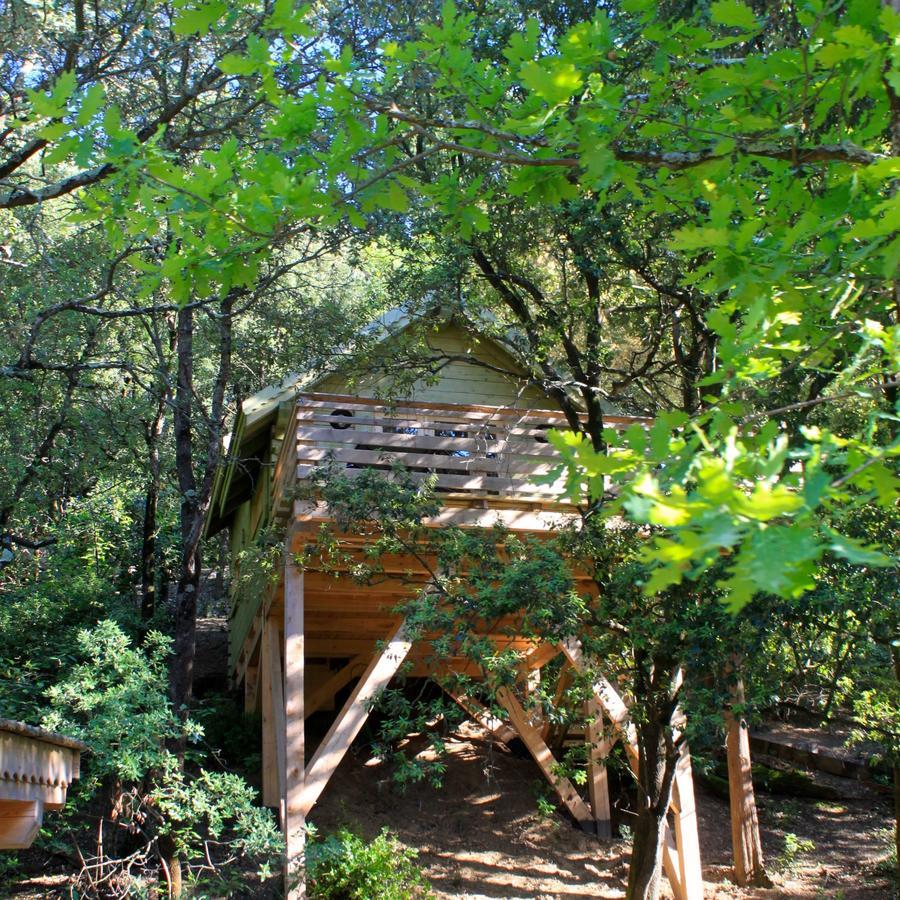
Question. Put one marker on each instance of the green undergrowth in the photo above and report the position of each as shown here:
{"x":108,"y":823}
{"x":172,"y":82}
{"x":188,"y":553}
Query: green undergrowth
{"x":344,"y":866}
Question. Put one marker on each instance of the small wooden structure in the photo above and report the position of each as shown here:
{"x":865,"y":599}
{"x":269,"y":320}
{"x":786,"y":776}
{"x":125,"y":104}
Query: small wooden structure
{"x":479,"y":432}
{"x":36,"y":769}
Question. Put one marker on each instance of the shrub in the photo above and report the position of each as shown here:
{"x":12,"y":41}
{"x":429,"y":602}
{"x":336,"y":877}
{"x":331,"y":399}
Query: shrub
{"x":345,"y":867}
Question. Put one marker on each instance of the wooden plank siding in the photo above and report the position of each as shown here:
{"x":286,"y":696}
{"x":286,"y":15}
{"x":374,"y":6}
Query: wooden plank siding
{"x":472,"y":377}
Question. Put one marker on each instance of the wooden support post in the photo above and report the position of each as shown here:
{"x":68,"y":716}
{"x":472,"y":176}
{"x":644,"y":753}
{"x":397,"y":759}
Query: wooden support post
{"x":545,"y":759}
{"x":745,"y":839}
{"x":352,"y":717}
{"x":598,"y":748}
{"x":337,"y":680}
{"x":251,"y":689}
{"x":294,"y":732}
{"x":271,"y":795}
{"x":686,"y":838}
{"x":271,"y":637}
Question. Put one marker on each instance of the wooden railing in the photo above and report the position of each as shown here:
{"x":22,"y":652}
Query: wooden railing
{"x":477,"y":453}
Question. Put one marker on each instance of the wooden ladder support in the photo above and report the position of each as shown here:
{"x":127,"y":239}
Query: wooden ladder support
{"x":598,"y":747}
{"x":352,"y":717}
{"x":544,"y":758}
{"x":681,"y":850}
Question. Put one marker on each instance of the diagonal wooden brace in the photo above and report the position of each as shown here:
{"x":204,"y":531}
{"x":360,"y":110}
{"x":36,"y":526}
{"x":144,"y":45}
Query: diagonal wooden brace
{"x":352,"y":717}
{"x":544,"y":758}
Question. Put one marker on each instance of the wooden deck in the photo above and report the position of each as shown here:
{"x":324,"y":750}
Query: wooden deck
{"x":488,"y":464}
{"x":485,"y":463}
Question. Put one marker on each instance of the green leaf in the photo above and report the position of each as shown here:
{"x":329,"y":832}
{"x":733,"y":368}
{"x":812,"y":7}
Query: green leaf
{"x":733,"y":14}
{"x":61,"y":150}
{"x":856,"y":552}
{"x":199,"y":19}
{"x":396,"y":198}
{"x":235,"y":64}
{"x":91,"y":104}
{"x":64,"y":87}
{"x":553,"y":80}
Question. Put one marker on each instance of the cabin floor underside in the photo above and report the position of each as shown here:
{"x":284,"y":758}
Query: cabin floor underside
{"x":321,"y":632}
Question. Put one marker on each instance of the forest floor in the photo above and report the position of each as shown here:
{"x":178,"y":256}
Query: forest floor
{"x":481,"y":835}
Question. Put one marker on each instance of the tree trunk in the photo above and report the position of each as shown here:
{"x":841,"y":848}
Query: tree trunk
{"x":182,"y":666}
{"x":895,"y":653}
{"x":655,"y":776}
{"x":645,"y":870}
{"x":148,"y":531}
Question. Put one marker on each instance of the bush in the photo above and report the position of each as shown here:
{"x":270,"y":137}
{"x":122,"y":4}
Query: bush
{"x":345,"y":867}
{"x":114,"y":698}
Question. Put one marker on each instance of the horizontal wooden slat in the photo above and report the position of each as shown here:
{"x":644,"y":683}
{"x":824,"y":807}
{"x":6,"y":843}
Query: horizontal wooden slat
{"x":353,"y":437}
{"x":485,"y":483}
{"x":470,"y":411}
{"x":410,"y":459}
{"x":519,"y":428}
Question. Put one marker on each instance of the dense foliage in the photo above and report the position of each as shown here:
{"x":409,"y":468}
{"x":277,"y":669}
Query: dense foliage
{"x":681,"y":210}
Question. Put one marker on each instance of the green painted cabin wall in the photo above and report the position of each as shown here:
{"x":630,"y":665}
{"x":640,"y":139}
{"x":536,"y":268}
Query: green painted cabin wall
{"x":459,"y":382}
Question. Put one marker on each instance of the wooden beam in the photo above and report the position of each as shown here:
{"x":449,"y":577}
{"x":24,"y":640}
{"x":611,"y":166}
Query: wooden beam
{"x":598,"y":783}
{"x":544,"y":758}
{"x":294,"y":734}
{"x":321,"y":695}
{"x":271,"y":795}
{"x":746,"y":845}
{"x":612,"y":704}
{"x":686,"y":837}
{"x":20,"y":822}
{"x":498,"y":729}
{"x":271,"y":637}
{"x":352,"y":717}
{"x":539,"y":656}
{"x":251,"y":689}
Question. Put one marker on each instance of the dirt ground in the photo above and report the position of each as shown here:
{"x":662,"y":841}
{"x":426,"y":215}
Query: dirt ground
{"x":481,"y":835}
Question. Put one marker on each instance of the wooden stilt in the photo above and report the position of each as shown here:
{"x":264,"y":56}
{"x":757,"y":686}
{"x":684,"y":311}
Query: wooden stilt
{"x":294,"y":732}
{"x":686,"y":837}
{"x":598,"y":783}
{"x":545,"y":759}
{"x":271,"y":795}
{"x":337,"y":680}
{"x":352,"y":717}
{"x":271,"y":637}
{"x":745,"y":840}
{"x":251,"y":689}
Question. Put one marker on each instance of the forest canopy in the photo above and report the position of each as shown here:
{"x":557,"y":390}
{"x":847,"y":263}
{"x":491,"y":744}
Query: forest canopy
{"x":679,"y":211}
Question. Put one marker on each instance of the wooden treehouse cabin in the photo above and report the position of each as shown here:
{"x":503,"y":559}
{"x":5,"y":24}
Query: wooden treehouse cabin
{"x":36,"y":769}
{"x":479,"y":430}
